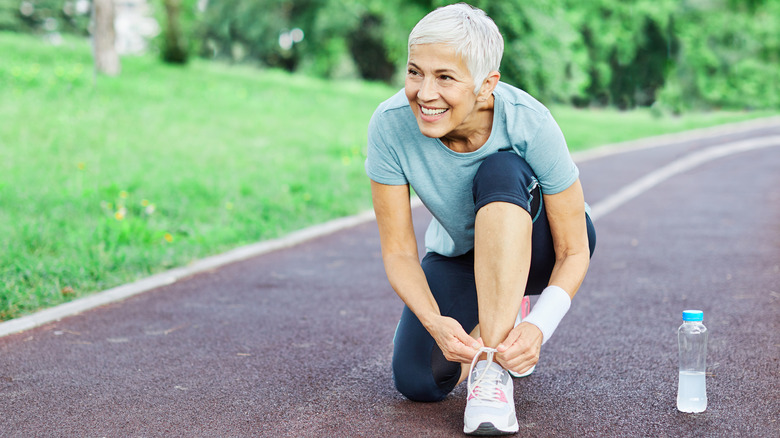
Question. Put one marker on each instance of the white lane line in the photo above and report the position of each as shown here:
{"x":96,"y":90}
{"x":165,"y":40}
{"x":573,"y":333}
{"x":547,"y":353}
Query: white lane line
{"x":676,"y":167}
{"x":125,"y":291}
{"x":711,"y":132}
{"x":128,"y":290}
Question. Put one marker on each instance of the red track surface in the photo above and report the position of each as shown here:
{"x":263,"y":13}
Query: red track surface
{"x":298,"y":342}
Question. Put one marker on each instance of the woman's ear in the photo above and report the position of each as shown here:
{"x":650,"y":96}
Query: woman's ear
{"x":488,"y":85}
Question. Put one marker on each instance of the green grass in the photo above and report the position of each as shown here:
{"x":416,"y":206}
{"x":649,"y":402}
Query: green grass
{"x":107,"y":180}
{"x":103,"y":183}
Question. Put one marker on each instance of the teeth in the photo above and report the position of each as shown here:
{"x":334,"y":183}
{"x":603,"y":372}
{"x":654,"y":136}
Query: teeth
{"x":432,"y":112}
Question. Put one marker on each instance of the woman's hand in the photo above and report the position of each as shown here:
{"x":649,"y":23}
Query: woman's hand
{"x":453,"y":341}
{"x":520,"y":350}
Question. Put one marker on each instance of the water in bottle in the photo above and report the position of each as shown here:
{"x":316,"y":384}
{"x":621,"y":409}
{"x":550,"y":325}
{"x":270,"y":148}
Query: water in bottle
{"x":692,"y":343}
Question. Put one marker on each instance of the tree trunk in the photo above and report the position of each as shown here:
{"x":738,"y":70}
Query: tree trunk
{"x":175,"y":50}
{"x":104,"y":38}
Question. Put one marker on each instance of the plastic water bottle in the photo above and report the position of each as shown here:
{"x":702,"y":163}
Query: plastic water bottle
{"x":692,"y":342}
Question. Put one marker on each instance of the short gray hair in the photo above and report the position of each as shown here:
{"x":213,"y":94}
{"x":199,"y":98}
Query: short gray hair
{"x":473,"y":34}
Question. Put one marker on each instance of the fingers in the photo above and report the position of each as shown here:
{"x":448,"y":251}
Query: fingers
{"x":520,"y":350}
{"x":454,"y":342}
{"x":464,"y":347}
{"x":511,"y":338}
{"x":457,"y":351}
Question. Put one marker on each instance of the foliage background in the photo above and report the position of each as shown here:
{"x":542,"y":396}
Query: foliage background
{"x":674,"y":54}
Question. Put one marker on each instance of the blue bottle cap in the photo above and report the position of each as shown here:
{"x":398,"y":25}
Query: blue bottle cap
{"x":693,"y":315}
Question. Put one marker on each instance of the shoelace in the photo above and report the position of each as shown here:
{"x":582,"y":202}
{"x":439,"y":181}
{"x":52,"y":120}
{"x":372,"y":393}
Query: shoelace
{"x":486,"y":386}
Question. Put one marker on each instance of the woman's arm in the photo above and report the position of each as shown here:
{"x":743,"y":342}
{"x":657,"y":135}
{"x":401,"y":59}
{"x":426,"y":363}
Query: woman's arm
{"x":399,"y":249}
{"x":566,"y":214}
{"x":402,"y":264}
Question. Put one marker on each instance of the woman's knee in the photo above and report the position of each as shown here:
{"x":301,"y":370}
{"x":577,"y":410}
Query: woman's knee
{"x":505,"y":177}
{"x":417,"y":362}
{"x":415,"y":381}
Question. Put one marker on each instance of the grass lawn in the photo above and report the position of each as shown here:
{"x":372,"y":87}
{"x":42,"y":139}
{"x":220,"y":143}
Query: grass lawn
{"x":107,"y":180}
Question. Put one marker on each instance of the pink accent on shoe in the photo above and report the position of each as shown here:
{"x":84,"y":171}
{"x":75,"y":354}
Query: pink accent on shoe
{"x":500,"y":396}
{"x":525,"y":307}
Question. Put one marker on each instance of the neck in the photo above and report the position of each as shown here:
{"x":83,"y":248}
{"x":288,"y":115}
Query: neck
{"x":475,"y":131}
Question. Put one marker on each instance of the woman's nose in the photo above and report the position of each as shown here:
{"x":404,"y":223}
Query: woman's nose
{"x":427,"y":91}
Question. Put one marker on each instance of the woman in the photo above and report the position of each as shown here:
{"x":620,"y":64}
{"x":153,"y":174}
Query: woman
{"x":492,"y":166}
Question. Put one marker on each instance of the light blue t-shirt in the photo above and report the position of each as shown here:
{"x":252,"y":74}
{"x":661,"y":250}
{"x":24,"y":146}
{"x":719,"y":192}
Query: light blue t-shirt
{"x":399,"y":154}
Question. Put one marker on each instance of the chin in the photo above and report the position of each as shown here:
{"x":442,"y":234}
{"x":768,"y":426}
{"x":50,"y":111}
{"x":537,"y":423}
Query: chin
{"x":431,"y":132}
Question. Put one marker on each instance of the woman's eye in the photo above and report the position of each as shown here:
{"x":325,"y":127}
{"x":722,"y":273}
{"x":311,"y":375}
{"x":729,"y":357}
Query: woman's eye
{"x":412,"y":72}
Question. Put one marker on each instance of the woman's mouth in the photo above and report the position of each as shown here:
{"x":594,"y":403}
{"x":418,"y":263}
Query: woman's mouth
{"x":432,"y":113}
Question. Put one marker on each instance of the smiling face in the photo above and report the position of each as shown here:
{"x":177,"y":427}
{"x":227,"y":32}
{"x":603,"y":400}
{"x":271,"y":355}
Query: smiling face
{"x":440,"y":90}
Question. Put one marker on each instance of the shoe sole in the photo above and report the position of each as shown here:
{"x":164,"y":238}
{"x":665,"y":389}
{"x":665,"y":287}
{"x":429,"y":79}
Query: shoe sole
{"x":487,"y":429}
{"x":525,"y":374}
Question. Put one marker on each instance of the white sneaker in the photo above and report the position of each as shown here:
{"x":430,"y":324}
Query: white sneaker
{"x":525,"y":308}
{"x":490,"y":407}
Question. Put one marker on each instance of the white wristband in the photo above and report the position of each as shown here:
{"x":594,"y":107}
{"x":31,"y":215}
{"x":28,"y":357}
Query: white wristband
{"x":549,"y":310}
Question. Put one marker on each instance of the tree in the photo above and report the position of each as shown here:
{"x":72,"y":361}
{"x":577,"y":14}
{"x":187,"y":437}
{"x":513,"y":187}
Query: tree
{"x":368,"y":49}
{"x":104,"y":38}
{"x":541,"y":48}
{"x":630,"y":47}
{"x":175,"y":46}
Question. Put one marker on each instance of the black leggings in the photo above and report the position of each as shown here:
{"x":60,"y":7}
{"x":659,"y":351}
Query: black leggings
{"x":420,"y":371}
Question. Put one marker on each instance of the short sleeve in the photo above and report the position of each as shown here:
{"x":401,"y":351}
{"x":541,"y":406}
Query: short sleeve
{"x":549,"y":157}
{"x":382,"y":162}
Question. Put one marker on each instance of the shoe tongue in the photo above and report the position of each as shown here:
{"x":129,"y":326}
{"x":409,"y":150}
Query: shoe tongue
{"x":493,"y":366}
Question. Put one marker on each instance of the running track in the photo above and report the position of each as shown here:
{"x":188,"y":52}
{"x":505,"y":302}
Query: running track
{"x":297,"y":341}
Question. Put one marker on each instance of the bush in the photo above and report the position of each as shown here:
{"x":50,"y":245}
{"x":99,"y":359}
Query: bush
{"x":45,"y":16}
{"x":541,"y":49}
{"x":625,"y":53}
{"x":368,"y":35}
{"x":251,"y":30}
{"x":629,"y":49}
{"x":729,"y":56}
